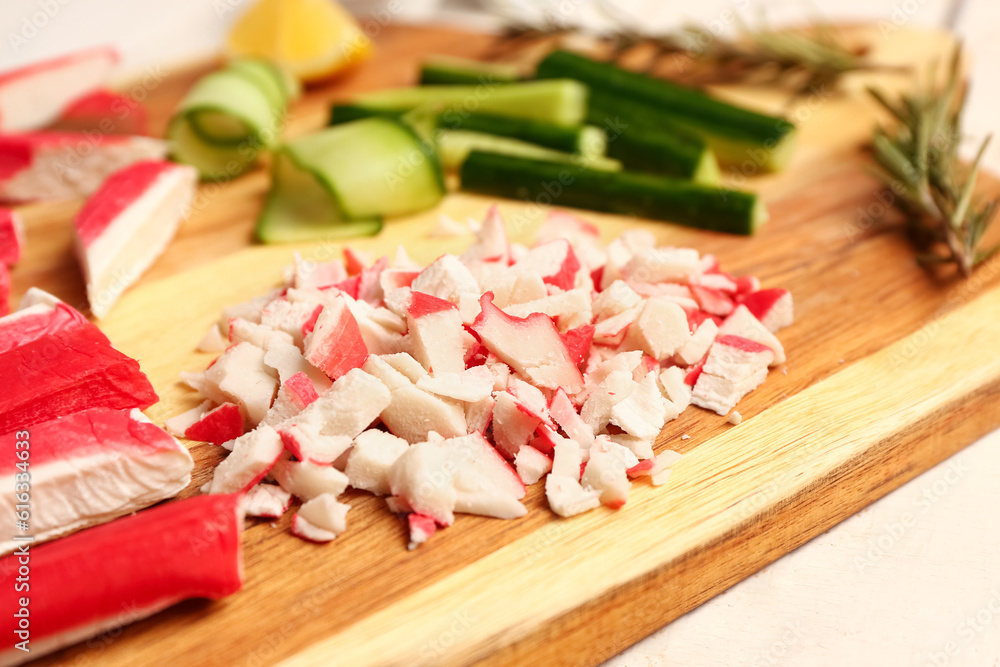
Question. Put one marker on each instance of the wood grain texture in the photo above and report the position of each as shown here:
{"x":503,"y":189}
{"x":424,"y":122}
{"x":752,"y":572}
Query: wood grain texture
{"x":890,"y":370}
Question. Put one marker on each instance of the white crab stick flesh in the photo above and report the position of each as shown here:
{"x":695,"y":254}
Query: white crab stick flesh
{"x":51,"y":166}
{"x":88,"y":468}
{"x":123,"y":571}
{"x":35,"y":95}
{"x":127,"y":224}
{"x":54,"y":362}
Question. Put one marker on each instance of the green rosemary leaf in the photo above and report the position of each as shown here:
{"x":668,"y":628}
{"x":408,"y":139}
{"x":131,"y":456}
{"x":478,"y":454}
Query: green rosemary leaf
{"x":921,"y":152}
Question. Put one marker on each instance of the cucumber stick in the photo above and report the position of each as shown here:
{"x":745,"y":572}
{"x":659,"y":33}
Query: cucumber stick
{"x":341,"y":181}
{"x":455,"y":146}
{"x":668,"y":151}
{"x":627,"y":193}
{"x":582,"y":139}
{"x":734,"y":133}
{"x":556,"y":101}
{"x":229,"y":117}
{"x":665,"y":154}
{"x":448,"y":70}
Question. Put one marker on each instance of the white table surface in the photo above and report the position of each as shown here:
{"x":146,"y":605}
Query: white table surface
{"x":914,"y":579}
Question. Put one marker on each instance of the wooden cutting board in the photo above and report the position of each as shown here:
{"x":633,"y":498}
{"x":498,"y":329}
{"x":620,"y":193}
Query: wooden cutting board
{"x":890,"y":369}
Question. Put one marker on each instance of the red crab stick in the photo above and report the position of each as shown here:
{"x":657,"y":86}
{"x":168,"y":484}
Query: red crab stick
{"x":35,"y":95}
{"x":54,"y":362}
{"x":120,"y":572}
{"x":105,"y":111}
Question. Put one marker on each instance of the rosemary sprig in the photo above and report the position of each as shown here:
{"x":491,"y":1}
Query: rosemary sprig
{"x":918,"y":161}
{"x":806,"y":61}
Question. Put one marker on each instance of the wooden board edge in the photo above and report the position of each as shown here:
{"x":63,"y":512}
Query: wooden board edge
{"x":428,"y":628}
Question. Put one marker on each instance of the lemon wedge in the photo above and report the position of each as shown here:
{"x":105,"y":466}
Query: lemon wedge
{"x":311,"y":39}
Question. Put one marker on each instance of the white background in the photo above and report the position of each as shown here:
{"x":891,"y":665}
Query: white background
{"x":912,"y":580}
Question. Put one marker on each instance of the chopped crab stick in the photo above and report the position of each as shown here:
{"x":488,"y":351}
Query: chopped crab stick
{"x":127,"y":224}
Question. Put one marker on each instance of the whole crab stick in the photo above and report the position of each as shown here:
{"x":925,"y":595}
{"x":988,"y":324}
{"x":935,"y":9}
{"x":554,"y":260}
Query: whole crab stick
{"x":119,"y":572}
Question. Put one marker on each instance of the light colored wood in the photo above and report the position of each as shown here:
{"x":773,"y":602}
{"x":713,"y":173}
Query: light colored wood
{"x":889,"y":371}
{"x":722,"y":484}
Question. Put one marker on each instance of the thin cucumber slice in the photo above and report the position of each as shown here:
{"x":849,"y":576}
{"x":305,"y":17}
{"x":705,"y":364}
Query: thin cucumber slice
{"x":561,"y":101}
{"x":300,"y":208}
{"x":343,"y":180}
{"x":213,"y":161}
{"x":627,"y":193}
{"x":280,"y":87}
{"x":218,"y":128}
{"x":232,"y":94}
{"x":734,"y":133}
{"x":449,"y":70}
{"x":227,"y":119}
{"x":455,"y":146}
